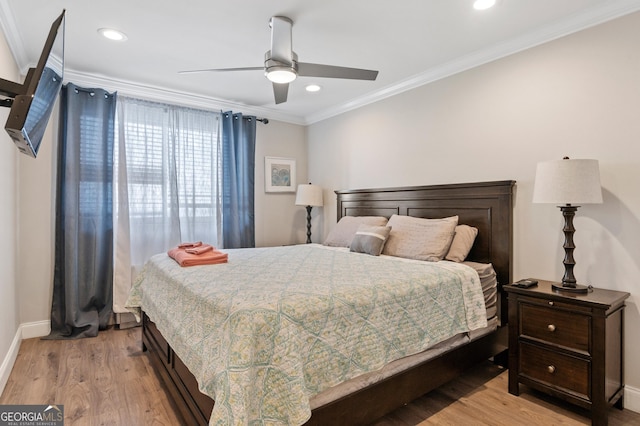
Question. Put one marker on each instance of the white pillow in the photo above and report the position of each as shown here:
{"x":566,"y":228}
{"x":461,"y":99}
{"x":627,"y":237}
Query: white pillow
{"x":342,"y":234}
{"x":421,"y":239}
{"x":462,"y":242}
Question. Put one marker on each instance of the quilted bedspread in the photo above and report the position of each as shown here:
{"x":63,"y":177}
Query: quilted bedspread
{"x":274,"y":326}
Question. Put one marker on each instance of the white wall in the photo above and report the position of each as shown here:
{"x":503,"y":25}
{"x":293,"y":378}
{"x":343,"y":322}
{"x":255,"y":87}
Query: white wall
{"x":278,"y":220}
{"x":8,"y":226}
{"x":36,"y":207}
{"x":578,"y":96}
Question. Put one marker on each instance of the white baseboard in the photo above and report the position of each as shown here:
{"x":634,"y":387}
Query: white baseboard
{"x":25,"y":331}
{"x":9,"y":360}
{"x":631,"y":398}
{"x":35,"y":329}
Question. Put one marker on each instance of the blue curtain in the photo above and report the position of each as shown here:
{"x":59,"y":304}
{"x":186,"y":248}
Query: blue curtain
{"x":82,"y":288}
{"x":238,"y":180}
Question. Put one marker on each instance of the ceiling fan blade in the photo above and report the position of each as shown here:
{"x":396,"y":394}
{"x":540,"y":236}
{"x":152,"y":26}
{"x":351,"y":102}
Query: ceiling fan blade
{"x":331,"y":71}
{"x":280,"y":91}
{"x":222,"y":70}
{"x":281,"y":48}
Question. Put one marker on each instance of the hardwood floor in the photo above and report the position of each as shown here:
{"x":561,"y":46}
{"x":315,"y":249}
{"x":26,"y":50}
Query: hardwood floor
{"x":107,"y":380}
{"x":480,"y":397}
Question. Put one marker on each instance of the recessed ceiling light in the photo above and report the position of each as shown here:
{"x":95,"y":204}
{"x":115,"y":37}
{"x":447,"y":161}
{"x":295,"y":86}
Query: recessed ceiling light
{"x":112,"y":34}
{"x":313,"y":88}
{"x":483,"y":4}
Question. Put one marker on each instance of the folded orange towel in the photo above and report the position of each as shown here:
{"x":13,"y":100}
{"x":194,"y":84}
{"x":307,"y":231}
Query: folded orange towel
{"x":209,"y":257}
{"x":200,"y":249}
{"x":190,"y":245}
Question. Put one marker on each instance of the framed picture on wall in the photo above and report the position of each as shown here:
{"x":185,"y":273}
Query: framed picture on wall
{"x":279,"y":174}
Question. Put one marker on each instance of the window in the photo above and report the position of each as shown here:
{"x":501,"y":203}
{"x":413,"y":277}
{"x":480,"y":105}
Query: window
{"x":168,"y":172}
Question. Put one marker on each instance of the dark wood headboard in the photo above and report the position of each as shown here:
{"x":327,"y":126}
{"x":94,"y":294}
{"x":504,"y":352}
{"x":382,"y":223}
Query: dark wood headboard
{"x":487,"y":206}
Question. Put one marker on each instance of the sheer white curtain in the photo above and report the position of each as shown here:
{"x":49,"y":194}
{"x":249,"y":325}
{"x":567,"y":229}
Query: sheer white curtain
{"x":168,"y":166}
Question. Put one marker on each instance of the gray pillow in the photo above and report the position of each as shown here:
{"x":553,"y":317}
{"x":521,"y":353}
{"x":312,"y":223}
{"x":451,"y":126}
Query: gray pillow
{"x":370,"y":239}
{"x":342,"y":234}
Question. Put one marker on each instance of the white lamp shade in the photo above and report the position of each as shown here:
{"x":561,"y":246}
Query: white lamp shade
{"x":309,"y":195}
{"x":568,"y":182}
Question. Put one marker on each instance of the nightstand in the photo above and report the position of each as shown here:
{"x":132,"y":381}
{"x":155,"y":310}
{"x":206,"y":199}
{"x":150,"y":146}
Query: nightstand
{"x":568,"y":345}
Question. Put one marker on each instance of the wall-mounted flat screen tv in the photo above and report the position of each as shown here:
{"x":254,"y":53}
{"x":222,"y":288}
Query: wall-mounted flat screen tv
{"x":31,"y":103}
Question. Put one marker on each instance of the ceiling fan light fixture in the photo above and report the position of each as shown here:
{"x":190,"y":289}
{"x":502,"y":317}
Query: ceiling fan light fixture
{"x":281,"y":75}
{"x":281,"y":65}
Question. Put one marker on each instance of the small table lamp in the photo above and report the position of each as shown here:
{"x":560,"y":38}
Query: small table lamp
{"x":310,"y":196}
{"x":568,"y":182}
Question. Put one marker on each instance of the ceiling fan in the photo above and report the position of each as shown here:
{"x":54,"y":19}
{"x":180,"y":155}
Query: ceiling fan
{"x":281,"y":64}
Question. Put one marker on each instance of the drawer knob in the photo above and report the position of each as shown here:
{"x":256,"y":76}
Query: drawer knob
{"x":551,"y":303}
{"x":551,"y":328}
{"x":551,"y":369}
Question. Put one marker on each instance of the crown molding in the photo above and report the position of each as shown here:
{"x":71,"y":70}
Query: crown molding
{"x":597,"y":15}
{"x":12,"y":35}
{"x":134,"y":89}
{"x":159,"y":94}
{"x":592,"y":17}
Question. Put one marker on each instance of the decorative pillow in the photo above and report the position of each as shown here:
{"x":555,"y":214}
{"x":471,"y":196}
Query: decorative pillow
{"x":370,"y":239}
{"x":462,"y":242}
{"x":421,"y":239}
{"x":342,"y":234}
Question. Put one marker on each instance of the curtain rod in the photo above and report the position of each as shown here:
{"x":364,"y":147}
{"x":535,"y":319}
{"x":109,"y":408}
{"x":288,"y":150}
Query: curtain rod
{"x":263,"y":120}
{"x":91,"y":91}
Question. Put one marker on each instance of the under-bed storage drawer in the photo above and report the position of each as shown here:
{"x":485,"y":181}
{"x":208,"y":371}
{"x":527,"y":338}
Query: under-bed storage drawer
{"x":152,"y":333}
{"x":202,"y":401}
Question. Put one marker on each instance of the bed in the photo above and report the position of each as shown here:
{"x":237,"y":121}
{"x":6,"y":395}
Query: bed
{"x":361,"y":399}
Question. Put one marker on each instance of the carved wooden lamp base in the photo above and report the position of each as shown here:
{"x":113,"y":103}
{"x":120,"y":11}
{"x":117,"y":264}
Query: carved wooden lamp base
{"x":569,"y":283}
{"x":309,"y":224}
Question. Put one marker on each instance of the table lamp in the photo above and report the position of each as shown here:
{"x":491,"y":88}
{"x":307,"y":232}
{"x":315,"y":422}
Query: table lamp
{"x":309,"y":196}
{"x":568,"y":182}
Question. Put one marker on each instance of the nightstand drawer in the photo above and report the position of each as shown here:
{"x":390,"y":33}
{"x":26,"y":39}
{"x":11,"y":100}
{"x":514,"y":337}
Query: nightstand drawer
{"x":555,"y":369}
{"x":555,"y":326}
